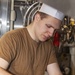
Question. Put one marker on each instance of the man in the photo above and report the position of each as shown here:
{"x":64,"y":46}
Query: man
{"x":29,"y":50}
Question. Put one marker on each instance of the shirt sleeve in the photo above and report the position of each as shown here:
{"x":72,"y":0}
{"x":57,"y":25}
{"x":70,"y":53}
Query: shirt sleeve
{"x":7,"y":47}
{"x":52,"y":56}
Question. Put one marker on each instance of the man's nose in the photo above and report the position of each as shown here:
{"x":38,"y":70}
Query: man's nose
{"x":51,"y":32}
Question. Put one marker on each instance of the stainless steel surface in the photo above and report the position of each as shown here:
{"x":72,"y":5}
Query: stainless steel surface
{"x":4,"y":20}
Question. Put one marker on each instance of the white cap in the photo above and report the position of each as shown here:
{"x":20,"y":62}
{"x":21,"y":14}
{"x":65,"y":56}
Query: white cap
{"x":51,"y":11}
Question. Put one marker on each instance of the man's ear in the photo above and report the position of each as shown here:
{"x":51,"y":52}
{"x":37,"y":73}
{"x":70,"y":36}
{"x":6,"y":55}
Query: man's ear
{"x":37,"y":17}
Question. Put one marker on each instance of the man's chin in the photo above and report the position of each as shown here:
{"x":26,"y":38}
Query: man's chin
{"x":43,"y":40}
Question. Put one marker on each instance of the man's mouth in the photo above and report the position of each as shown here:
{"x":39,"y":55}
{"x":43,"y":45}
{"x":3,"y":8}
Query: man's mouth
{"x":45,"y":37}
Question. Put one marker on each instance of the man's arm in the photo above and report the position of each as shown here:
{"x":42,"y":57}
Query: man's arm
{"x":53,"y":69}
{"x":3,"y":66}
{"x":4,"y":72}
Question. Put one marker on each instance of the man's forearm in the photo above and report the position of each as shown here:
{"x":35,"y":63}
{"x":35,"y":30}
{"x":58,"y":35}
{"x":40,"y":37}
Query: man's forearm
{"x":4,"y":72}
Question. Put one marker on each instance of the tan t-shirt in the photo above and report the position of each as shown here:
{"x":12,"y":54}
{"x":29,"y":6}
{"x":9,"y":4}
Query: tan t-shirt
{"x":26,"y":56}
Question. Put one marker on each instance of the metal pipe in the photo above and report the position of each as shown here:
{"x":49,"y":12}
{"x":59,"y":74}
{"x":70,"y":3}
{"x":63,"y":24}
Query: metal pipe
{"x":12,"y":17}
{"x":29,"y":10}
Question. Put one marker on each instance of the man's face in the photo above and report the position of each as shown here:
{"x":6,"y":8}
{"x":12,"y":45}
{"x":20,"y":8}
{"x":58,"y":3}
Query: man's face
{"x":45,"y":28}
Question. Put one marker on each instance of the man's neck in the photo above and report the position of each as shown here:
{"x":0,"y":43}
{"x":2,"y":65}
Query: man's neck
{"x":31,"y":30}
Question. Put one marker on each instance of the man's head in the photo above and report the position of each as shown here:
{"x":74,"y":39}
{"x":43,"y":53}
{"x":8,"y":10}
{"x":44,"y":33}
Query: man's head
{"x":46,"y":22}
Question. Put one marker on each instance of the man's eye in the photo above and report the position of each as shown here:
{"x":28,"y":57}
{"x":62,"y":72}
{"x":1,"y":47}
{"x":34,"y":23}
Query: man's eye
{"x":48,"y":26}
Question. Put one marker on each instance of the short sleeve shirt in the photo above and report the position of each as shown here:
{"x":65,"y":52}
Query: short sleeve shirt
{"x":25,"y":55}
